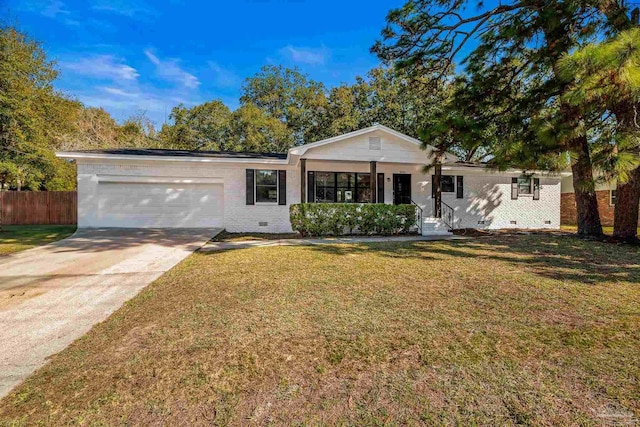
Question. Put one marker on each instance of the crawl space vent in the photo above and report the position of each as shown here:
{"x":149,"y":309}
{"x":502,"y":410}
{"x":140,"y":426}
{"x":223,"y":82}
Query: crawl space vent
{"x":375,"y":143}
{"x":263,"y":223}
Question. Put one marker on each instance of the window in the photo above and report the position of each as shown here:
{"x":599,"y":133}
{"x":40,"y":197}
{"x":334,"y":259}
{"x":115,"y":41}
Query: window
{"x":346,"y":188}
{"x":524,"y":185}
{"x":447,"y":184}
{"x":266,"y":186}
{"x":342,"y":187}
{"x":325,"y":187}
{"x":613,"y":196}
{"x":363,"y":193}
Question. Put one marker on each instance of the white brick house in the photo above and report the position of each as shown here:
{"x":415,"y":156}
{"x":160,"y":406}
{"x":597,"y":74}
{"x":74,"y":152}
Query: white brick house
{"x":250,"y":192}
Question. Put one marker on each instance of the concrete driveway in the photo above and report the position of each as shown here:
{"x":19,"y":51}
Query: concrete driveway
{"x":53,"y":294}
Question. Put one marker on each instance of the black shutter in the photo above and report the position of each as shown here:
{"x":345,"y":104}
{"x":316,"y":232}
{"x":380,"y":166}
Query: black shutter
{"x":459,"y":187}
{"x":311,"y":187}
{"x":282,"y":187}
{"x":536,"y":188}
{"x":250,"y":186}
{"x":433,"y":186}
{"x":380,"y":188}
{"x":514,"y":188}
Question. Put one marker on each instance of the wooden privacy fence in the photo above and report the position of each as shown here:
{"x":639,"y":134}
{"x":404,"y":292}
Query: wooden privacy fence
{"x":39,"y":207}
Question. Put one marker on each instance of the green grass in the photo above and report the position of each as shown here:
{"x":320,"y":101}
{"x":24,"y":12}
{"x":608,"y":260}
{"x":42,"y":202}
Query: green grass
{"x":15,"y":238}
{"x":537,"y":329}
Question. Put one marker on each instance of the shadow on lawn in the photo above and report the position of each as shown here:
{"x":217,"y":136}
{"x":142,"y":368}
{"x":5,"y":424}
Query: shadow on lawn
{"x":553,"y":256}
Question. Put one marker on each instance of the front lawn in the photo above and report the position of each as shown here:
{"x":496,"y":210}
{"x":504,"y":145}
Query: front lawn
{"x":537,"y":329}
{"x":15,"y":238}
{"x":574,"y":228}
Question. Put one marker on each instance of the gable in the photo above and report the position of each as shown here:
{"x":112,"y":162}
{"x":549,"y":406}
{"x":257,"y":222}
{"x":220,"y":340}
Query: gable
{"x":376,"y":143}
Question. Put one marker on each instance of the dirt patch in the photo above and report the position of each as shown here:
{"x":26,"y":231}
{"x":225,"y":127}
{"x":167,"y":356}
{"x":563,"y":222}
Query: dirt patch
{"x":14,"y":296}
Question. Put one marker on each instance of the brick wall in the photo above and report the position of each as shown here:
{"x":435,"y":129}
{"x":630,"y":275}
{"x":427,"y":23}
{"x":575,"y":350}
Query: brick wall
{"x":568,"y":214}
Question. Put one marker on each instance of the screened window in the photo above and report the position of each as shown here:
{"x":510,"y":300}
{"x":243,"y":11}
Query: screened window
{"x":342,"y":187}
{"x":266,"y":186}
{"x":447,"y":184}
{"x":524,"y":185}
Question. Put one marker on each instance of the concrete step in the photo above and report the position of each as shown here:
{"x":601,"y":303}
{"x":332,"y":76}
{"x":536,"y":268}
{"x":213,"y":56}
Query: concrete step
{"x":435,"y":227}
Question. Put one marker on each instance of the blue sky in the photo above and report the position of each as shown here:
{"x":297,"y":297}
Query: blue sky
{"x":145,"y":55}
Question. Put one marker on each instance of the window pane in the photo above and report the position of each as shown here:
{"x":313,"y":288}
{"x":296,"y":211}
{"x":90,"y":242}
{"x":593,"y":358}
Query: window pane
{"x":266,"y":177}
{"x":346,"y":180}
{"x":363,"y":180}
{"x":325,"y":194}
{"x":325,"y":179}
{"x":346,"y":195}
{"x":446,"y":184}
{"x":524,"y":185}
{"x":364,"y":195}
{"x":266,"y":194}
{"x":614,"y":196}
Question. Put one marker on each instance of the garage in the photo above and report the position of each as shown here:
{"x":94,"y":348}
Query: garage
{"x":151,"y":203}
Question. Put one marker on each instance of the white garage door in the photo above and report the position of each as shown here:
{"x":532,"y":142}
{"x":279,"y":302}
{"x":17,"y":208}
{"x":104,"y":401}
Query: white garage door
{"x":147,"y":205}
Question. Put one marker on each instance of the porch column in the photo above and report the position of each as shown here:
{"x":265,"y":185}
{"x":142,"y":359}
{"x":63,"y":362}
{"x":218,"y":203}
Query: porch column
{"x":372,"y":181}
{"x":437,"y":206}
{"x":303,"y":180}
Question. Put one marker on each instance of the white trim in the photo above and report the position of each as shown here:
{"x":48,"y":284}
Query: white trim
{"x":158,"y":180}
{"x":144,"y":157}
{"x":485,"y":170}
{"x":299,"y":151}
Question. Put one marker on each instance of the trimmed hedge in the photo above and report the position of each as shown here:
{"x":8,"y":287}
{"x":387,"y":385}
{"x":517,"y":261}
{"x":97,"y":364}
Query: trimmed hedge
{"x":335,"y":219}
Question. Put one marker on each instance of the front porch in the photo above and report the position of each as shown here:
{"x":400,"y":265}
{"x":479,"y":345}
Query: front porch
{"x":336,"y":181}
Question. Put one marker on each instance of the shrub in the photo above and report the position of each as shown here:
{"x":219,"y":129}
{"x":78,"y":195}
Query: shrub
{"x":335,"y":219}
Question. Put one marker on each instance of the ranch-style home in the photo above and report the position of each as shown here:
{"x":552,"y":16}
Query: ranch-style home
{"x":252,"y":192}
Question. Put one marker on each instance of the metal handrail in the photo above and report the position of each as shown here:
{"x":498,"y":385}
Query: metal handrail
{"x":447,"y":215}
{"x":419,"y":213}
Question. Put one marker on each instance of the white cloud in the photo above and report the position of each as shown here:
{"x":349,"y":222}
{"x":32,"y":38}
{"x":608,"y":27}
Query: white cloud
{"x":306,"y":55}
{"x":223,"y":77}
{"x":170,"y":70}
{"x":130,"y":8}
{"x":105,"y":67}
{"x":55,"y":9}
{"x":120,"y":92}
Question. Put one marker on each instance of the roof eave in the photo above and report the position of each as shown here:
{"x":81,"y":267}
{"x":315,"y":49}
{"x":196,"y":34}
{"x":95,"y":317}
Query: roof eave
{"x":199,"y":159}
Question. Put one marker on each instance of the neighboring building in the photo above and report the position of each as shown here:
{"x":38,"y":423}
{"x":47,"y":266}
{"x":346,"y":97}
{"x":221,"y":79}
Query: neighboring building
{"x":606,"y":194}
{"x":249,"y":192}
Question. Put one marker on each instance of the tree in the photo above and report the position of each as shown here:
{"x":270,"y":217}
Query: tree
{"x":386,"y":96}
{"x":254,"y":130}
{"x":606,"y":78}
{"x":519,"y":43}
{"x":33,"y":116}
{"x":94,"y":128}
{"x":203,"y":127}
{"x":289,"y":96}
{"x":137,"y":131}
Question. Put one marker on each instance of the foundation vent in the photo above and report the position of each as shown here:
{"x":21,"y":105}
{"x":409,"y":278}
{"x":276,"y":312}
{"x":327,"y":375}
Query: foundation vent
{"x":263,"y":223}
